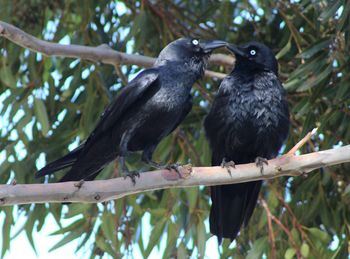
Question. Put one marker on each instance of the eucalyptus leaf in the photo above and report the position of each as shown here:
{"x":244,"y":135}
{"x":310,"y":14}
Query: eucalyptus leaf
{"x":41,"y":115}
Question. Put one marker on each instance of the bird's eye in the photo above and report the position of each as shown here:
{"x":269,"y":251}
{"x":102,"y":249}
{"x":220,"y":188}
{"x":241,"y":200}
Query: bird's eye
{"x":253,"y":52}
{"x":195,"y":42}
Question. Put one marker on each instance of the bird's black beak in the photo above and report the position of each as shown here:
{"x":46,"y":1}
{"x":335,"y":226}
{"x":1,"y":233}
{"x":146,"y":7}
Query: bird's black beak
{"x":209,"y":46}
{"x":236,"y":50}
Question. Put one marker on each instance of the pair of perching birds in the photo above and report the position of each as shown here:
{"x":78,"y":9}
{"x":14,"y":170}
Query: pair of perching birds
{"x":248,"y":121}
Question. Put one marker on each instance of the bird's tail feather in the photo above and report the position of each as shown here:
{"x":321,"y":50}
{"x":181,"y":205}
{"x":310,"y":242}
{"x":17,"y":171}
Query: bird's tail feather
{"x":73,"y":175}
{"x":61,"y":163}
{"x":232,"y":205}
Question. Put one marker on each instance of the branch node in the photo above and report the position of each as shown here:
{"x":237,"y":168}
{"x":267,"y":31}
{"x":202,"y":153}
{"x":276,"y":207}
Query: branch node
{"x":187,"y":171}
{"x":278,"y":168}
{"x":2,"y":201}
{"x":14,"y":182}
{"x":79,"y":184}
{"x":97,"y":197}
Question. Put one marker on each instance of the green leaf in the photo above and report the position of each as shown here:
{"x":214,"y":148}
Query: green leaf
{"x":172,"y":236}
{"x":156,"y":233}
{"x":323,"y":45}
{"x":318,"y":234}
{"x":192,"y":195}
{"x":41,"y":115}
{"x":305,"y":250}
{"x":75,"y":225}
{"x":272,"y":201}
{"x":285,"y":49}
{"x":6,"y":75}
{"x":347,"y":190}
{"x":5,"y":165}
{"x":295,"y":235}
{"x":158,"y":212}
{"x":303,"y":70}
{"x":67,"y":238}
{"x":201,"y":238}
{"x":105,"y":246}
{"x":29,"y":229}
{"x":330,"y":10}
{"x":6,"y":230}
{"x":258,"y":248}
{"x":108,"y":226}
{"x":182,"y":252}
{"x":289,"y":253}
{"x":77,"y":208}
{"x":314,"y":81}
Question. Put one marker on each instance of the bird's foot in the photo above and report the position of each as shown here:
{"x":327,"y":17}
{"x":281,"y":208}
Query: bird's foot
{"x":228,"y":165}
{"x":170,"y":167}
{"x":79,"y":184}
{"x":260,"y":161}
{"x":132,"y":175}
{"x":175,"y":167}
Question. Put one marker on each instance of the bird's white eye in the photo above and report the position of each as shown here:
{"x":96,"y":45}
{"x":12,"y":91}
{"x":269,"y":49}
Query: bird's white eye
{"x":252,"y":52}
{"x":195,"y":42}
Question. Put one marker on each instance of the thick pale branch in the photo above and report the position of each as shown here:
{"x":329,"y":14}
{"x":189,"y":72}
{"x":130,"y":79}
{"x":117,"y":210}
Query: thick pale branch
{"x":104,"y":190}
{"x":102,"y":53}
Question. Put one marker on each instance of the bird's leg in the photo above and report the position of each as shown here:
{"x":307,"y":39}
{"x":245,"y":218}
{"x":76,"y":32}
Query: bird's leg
{"x":147,"y":158}
{"x":123,"y":151}
{"x":126,"y":172}
{"x":260,"y":161}
{"x":228,"y":165}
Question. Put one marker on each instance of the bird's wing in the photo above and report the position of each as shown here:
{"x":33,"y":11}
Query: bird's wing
{"x":127,"y":97}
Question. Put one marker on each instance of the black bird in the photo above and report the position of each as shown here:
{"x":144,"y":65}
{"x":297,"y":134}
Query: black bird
{"x":149,"y":108}
{"x":249,"y":121}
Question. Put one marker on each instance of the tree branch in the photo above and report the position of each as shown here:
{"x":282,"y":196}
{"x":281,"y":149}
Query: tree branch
{"x":102,"y":53}
{"x":104,"y":190}
{"x":302,"y":141}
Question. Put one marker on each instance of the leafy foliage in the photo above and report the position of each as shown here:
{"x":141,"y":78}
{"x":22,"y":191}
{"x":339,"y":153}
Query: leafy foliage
{"x":49,"y":105}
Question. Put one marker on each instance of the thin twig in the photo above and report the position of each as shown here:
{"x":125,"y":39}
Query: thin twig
{"x":302,"y":142}
{"x":295,"y":221}
{"x":270,"y":228}
{"x":283,"y":227}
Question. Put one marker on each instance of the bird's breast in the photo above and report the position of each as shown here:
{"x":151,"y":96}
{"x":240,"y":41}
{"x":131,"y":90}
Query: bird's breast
{"x":169,"y":99}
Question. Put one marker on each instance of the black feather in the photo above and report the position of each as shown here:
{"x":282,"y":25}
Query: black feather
{"x":149,"y":108}
{"x":249,"y":119}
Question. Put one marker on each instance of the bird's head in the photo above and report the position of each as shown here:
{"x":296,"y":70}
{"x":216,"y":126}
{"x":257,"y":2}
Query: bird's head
{"x":186,"y":50}
{"x":254,"y":55}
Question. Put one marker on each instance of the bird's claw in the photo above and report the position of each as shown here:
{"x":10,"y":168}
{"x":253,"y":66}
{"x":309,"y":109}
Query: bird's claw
{"x":175,"y":167}
{"x":260,"y":161}
{"x":228,"y":165}
{"x":132,"y":175}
